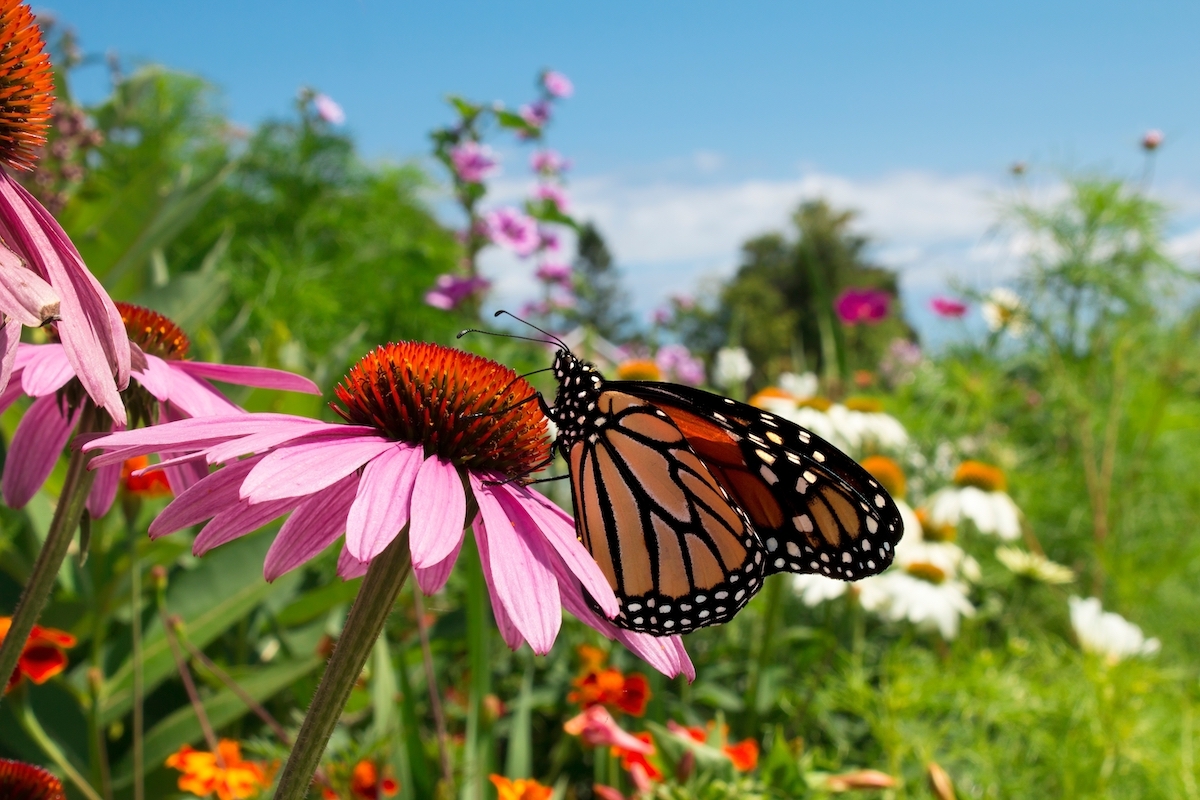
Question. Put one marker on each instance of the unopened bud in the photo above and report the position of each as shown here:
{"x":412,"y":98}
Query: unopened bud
{"x":685,"y":767}
{"x":939,"y":782}
{"x":158,"y":577}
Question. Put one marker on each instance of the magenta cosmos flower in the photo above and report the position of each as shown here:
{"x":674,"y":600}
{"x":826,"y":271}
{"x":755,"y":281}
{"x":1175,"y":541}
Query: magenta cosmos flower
{"x":450,"y":290}
{"x":548,"y":162}
{"x":513,"y":230}
{"x":556,"y":273}
{"x":473,"y":162}
{"x":857,"y":306}
{"x":948,"y":307}
{"x":163,"y":382}
{"x":557,"y":85}
{"x":42,"y":276}
{"x":429,"y":433}
{"x":536,"y":114}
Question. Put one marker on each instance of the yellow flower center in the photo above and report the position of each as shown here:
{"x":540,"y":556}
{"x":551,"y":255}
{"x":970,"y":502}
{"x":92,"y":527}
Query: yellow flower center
{"x":867,"y":405}
{"x":639,"y":369}
{"x":980,"y":475}
{"x":926,"y":571}
{"x":888,"y":473}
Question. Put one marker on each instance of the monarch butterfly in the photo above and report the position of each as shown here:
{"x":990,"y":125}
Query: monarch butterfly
{"x":688,"y":500}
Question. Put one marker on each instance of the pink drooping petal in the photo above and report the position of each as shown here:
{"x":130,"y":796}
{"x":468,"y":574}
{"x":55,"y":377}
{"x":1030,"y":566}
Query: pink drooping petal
{"x":261,"y":377}
{"x":91,"y":329}
{"x":304,"y":469}
{"x":181,"y":476}
{"x":439,"y":510}
{"x":24,"y":296}
{"x":520,"y":565}
{"x":384,"y":495}
{"x":432,"y":579}
{"x":508,"y":630}
{"x":38,"y":442}
{"x":206,"y":499}
{"x":262,"y":442}
{"x":312,"y":527}
{"x":349,"y":567}
{"x":239,"y":520}
{"x":154,"y":375}
{"x":46,"y":369}
{"x":193,"y":396}
{"x":558,"y":528}
{"x":10,"y":341}
{"x":104,"y":490}
{"x":596,"y":726}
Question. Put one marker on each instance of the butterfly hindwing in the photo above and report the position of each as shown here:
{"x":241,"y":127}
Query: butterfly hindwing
{"x":814,"y":508}
{"x":677,"y":552}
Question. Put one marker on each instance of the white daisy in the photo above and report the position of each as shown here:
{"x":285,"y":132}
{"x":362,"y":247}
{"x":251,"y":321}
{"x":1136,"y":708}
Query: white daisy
{"x":1108,"y":634}
{"x":978,"y":495}
{"x":1034,"y":565}
{"x":800,"y":387}
{"x":732,"y":367}
{"x":926,"y":603}
{"x":1003,"y":310}
{"x":862,"y":424}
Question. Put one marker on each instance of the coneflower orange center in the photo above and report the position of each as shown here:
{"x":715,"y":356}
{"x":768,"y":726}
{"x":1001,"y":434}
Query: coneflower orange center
{"x":26,"y":86}
{"x":154,"y":333}
{"x":468,"y":409}
{"x":21,"y":781}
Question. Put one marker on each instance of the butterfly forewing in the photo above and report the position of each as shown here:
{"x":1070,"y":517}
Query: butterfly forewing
{"x":814,"y":509}
{"x":662,"y":528}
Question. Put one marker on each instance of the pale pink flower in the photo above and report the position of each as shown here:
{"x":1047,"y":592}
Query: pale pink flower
{"x":548,"y":162}
{"x":473,"y":162}
{"x":179,"y":388}
{"x":328,"y":109}
{"x":597,"y":728}
{"x":1152,"y":140}
{"x":554,"y":272}
{"x":677,"y":362}
{"x":549,"y":241}
{"x":536,"y":114}
{"x":948,"y":307}
{"x":426,"y":428}
{"x":662,"y":316}
{"x":557,"y":84}
{"x":450,"y":290}
{"x":554,"y":195}
{"x":856,"y":306}
{"x":513,"y":230}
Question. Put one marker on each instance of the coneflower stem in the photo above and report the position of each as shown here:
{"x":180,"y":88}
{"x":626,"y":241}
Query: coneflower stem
{"x":135,"y":629}
{"x":54,"y":550}
{"x":193,"y":694}
{"x":370,"y":611}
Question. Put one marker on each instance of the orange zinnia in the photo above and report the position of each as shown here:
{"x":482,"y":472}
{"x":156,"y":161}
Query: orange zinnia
{"x":744,"y":754}
{"x":520,"y":789}
{"x":608,"y":687}
{"x":203,"y":774}
{"x":42,"y":657}
{"x":366,"y":783}
{"x":151,"y":484}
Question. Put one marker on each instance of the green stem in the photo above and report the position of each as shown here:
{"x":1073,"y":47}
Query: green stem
{"x":476,"y":750}
{"x":34,"y":728}
{"x":435,"y":697}
{"x":139,"y":690}
{"x":371,"y":608}
{"x":58,"y":540}
{"x":774,"y":591}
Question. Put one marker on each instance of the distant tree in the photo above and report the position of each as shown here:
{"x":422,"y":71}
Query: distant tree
{"x":602,"y":302}
{"x":778,"y":304}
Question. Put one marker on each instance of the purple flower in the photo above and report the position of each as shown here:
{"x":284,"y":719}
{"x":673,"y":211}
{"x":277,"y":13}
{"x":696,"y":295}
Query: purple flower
{"x":548,"y":162}
{"x":855,"y":306}
{"x":328,"y":109}
{"x":181,"y":389}
{"x":513,"y":230}
{"x":1152,"y":140}
{"x":553,"y":194}
{"x":535,"y":308}
{"x":553,"y":272}
{"x":450,"y":290}
{"x":676,"y":361}
{"x":536,"y":114}
{"x":684,"y":302}
{"x":557,"y":84}
{"x":384,"y":470}
{"x":662,"y":316}
{"x":948,"y":307}
{"x":39,"y":265}
{"x":473,"y":162}
{"x":549,"y":241}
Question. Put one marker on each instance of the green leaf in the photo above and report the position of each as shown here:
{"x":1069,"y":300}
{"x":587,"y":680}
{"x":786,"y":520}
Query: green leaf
{"x":182,"y":727}
{"x":520,"y":733}
{"x":317,"y":602}
{"x":210,"y":599}
{"x":671,"y":747}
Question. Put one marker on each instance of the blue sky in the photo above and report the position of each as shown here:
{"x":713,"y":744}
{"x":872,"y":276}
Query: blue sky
{"x":696,"y":124}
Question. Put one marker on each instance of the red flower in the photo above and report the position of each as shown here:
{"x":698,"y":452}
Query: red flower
{"x":636,"y":761}
{"x":43,"y":656}
{"x":150,"y":484}
{"x":608,"y":687}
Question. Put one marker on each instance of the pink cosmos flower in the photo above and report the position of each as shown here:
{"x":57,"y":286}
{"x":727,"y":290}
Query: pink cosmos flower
{"x":473,"y":162}
{"x":553,"y":194}
{"x":597,"y":728}
{"x":548,"y":162}
{"x":426,"y":428}
{"x":549,"y":241}
{"x":450,"y":290}
{"x":179,"y":388}
{"x":328,"y":109}
{"x":662,"y":316}
{"x":1152,"y":140}
{"x":855,"y":306}
{"x":557,"y":84}
{"x":513,"y":230}
{"x":554,"y":272}
{"x":948,"y":307}
{"x":676,"y":361}
{"x":536,"y":114}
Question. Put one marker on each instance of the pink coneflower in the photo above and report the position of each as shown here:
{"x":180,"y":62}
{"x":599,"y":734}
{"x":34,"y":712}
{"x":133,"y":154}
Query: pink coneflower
{"x":473,"y":162}
{"x":429,"y":432}
{"x":548,"y":162}
{"x":328,"y":109}
{"x":857,"y":306}
{"x":164,"y":384}
{"x":557,"y":85}
{"x":553,"y":272}
{"x":554,"y":195}
{"x":948,"y":307}
{"x":450,"y":290}
{"x":513,"y":230}
{"x":42,"y":276}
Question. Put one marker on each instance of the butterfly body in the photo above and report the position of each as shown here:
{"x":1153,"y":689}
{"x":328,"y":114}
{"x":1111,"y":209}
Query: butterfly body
{"x":687,"y":500}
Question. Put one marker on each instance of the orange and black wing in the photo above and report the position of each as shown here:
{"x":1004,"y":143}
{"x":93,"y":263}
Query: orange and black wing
{"x":815,"y":510}
{"x":677,"y":552}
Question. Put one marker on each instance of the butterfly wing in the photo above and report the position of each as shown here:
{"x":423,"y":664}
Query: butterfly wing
{"x":813,"y":507}
{"x":677,"y":552}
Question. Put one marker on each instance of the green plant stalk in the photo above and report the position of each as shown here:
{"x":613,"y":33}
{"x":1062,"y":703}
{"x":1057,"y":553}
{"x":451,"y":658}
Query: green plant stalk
{"x":475,"y":751}
{"x":135,"y":631}
{"x":770,"y":622}
{"x":54,"y":550}
{"x":435,"y":699}
{"x":34,"y":728}
{"x":370,"y":611}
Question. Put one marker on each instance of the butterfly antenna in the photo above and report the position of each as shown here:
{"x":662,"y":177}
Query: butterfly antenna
{"x":463,"y":333}
{"x":547,"y":334}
